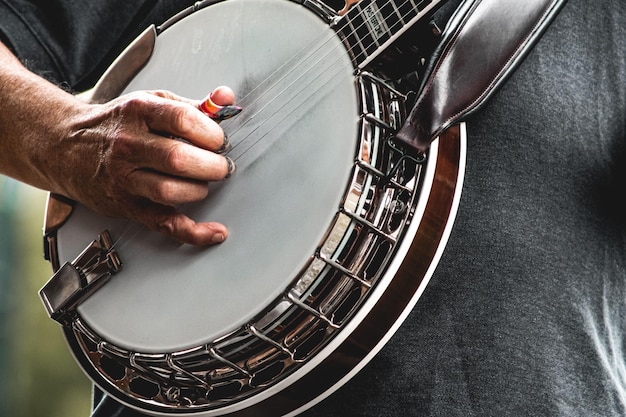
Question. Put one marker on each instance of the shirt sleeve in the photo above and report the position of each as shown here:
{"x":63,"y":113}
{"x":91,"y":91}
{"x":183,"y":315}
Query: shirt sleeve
{"x":72,"y":42}
{"x":16,"y":34}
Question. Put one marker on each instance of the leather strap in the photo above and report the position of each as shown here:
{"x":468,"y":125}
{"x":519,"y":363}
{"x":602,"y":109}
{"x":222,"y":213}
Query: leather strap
{"x":483,"y":43}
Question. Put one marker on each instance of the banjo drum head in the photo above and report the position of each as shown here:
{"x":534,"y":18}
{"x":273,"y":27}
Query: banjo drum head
{"x":293,"y":146}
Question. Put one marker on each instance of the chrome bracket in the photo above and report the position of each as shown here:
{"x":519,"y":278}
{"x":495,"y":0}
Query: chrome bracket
{"x":75,"y":281}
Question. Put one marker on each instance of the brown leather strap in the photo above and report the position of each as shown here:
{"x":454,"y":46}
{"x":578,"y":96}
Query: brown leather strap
{"x":484,"y":42}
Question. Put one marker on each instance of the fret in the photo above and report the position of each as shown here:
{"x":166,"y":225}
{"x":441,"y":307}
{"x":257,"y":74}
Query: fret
{"x":408,"y":9}
{"x":392,"y":15}
{"x":372,"y":25}
{"x":357,"y":49}
{"x":395,"y":10}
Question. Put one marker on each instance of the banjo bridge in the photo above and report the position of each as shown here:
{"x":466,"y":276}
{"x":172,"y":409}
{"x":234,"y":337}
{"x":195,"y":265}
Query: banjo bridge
{"x":75,"y":281}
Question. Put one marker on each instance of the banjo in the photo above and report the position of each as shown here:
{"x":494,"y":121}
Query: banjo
{"x":335,"y":230}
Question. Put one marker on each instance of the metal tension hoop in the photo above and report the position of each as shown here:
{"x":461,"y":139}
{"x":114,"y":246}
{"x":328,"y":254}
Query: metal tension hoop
{"x":75,"y":281}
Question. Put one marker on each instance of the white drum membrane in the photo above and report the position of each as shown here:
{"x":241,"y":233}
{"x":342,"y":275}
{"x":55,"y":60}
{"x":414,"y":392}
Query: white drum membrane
{"x":293,"y":145}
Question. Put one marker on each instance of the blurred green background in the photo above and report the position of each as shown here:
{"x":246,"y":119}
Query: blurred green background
{"x":38,"y":376}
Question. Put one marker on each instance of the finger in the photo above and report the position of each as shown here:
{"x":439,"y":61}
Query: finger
{"x":165,"y":189}
{"x":183,"y":120}
{"x":184,"y":160}
{"x":222,"y":95}
{"x":176,"y":225}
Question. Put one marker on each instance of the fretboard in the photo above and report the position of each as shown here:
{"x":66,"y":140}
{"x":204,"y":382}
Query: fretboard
{"x":370,"y":26}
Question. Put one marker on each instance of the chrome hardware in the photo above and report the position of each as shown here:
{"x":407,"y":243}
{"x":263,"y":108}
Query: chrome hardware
{"x":77,"y":280}
{"x":343,"y":272}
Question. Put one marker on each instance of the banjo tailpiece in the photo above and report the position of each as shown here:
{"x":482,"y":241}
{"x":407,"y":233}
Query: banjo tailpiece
{"x":75,"y":281}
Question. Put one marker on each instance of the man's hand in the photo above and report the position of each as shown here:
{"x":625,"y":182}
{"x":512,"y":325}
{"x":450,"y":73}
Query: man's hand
{"x":140,"y":168}
{"x":137,"y":156}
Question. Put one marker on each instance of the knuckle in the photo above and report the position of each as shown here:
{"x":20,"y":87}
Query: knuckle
{"x":166,"y":225}
{"x":164,"y":192}
{"x":130,"y":105}
{"x":176,"y":159}
{"x":160,"y":93}
{"x":182,"y":120}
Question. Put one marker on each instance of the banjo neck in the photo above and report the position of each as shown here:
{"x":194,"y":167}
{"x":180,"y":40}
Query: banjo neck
{"x":371,"y":26}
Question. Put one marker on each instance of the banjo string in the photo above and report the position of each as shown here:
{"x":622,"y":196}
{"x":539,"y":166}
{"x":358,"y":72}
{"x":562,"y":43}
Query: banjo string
{"x":128,"y":232}
{"x":331,"y":35}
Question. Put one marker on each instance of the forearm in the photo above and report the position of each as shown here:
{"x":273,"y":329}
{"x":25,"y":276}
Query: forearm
{"x":35,"y":116}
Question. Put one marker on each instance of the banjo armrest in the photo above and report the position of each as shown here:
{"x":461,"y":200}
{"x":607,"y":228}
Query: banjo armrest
{"x":75,"y":281}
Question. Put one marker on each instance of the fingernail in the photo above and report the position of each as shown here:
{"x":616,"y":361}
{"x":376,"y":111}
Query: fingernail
{"x":225,"y":146}
{"x":231,"y":167}
{"x":218,"y":238}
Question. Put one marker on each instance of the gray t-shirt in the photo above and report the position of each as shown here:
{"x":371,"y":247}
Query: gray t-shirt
{"x":526,"y":313}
